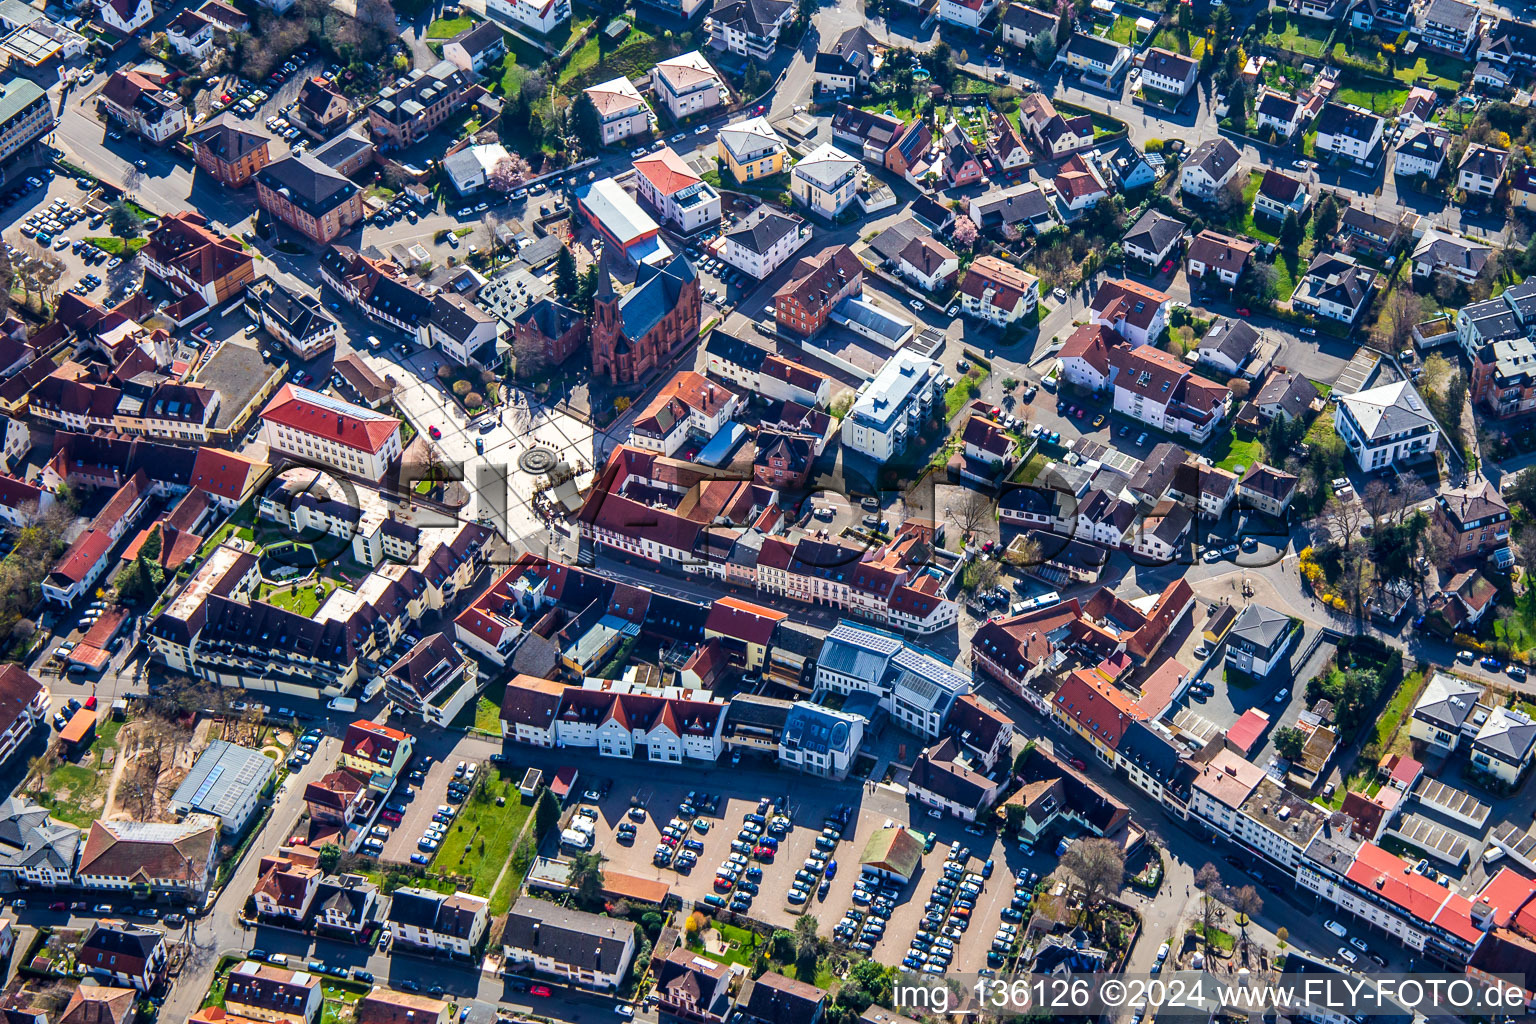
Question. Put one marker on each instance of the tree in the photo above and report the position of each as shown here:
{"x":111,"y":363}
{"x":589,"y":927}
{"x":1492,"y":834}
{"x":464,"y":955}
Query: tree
{"x":546,"y":814}
{"x":329,"y":857}
{"x":972,"y":512}
{"x":1208,"y":881}
{"x":1379,"y":501}
{"x":1290,"y":741}
{"x":122,"y":221}
{"x":1523,"y":490}
{"x":567,"y":280}
{"x":1239,"y":388}
{"x":1325,"y":221}
{"x":807,"y":945}
{"x":1401,"y":311}
{"x":1343,"y":518}
{"x":586,"y":295}
{"x":1291,"y":233}
{"x":964,"y":232}
{"x":509,"y":173}
{"x":587,"y":877}
{"x":1248,"y":904}
{"x":1098,"y":865}
{"x":586,"y":123}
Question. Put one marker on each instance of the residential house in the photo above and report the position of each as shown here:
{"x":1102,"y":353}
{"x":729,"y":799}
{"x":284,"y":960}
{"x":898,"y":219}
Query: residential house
{"x":24,"y":704}
{"x":1228,"y":345}
{"x":1154,"y":238}
{"x":299,"y":320}
{"x":379,"y":288}
{"x":124,"y":955}
{"x":190,"y":34}
{"x":1440,"y":255}
{"x":762,"y":242}
{"x":1157,"y":388}
{"x":997,"y":291}
{"x":439,"y":922}
{"x":1024,"y":207}
{"x":322,"y":109}
{"x":1277,"y":112}
{"x":463,"y":332}
{"x":93,"y":1004}
{"x":386,"y":1006}
{"x":686,"y":85}
{"x":915,"y":688}
{"x":1503,"y":746}
{"x":751,"y":149}
{"x":1136,"y":312}
{"x":1481,"y":171}
{"x":1005,"y":145}
{"x":854,"y":57}
{"x":1094,"y":56}
{"x":1054,"y":133}
{"x":1267,"y":489}
{"x":1260,"y":640}
{"x":1476,"y":517}
{"x":1336,"y":286}
{"x":1025,"y":26}
{"x":928,"y":263}
{"x":1221,"y":256}
{"x":749,"y":28}
{"x":804,"y":303}
{"x":193,"y":259}
{"x":971,"y":14}
{"x":1084,"y":357}
{"x":482,"y":46}
{"x":1350,"y":132}
{"x":1280,"y":194}
{"x":620,"y":108}
{"x":267,"y":992}
{"x":139,"y":105}
{"x":1209,"y":168}
{"x":1422,"y":151}
{"x":1079,"y":186}
{"x":1386,"y":425}
{"x":1287,"y":395}
{"x":943,"y":779}
{"x":1511,"y":45}
{"x":125,"y":17}
{"x":587,"y":950}
{"x":35,"y":850}
{"x":1168,"y":72}
{"x":775,"y":999}
{"x":1449,"y":26}
{"x":434,"y":680}
{"x":826,"y":180}
{"x":692,"y":988}
{"x":880,"y":422}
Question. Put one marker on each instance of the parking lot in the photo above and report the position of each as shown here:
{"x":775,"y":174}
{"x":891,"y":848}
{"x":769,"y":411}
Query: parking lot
{"x":51,"y":216}
{"x":809,"y":812}
{"x":423,"y":793}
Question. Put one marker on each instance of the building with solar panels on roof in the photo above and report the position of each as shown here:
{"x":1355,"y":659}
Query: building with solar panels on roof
{"x":226,"y":782}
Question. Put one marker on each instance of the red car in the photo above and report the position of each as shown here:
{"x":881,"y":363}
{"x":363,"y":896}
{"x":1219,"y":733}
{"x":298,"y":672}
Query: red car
{"x":1244,"y":312}
{"x":434,"y":433}
{"x":391,"y":816}
{"x":1167,"y":266}
{"x":764,"y":853}
{"x":539,"y":990}
{"x":58,"y":906}
{"x":1077,"y":763}
{"x":1080,"y":412}
{"x":90,"y":703}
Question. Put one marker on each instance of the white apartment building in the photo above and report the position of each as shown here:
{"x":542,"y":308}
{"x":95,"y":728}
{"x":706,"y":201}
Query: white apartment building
{"x":540,"y":15}
{"x":888,"y":410}
{"x":687,"y":84}
{"x":763,"y":242}
{"x":1385,"y":425}
{"x":331,"y":432}
{"x":826,"y":180}
{"x":621,"y":109}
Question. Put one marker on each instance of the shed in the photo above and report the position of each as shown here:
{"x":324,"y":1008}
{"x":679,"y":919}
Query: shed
{"x":80,"y":731}
{"x":532,"y":780}
{"x":893,"y":853}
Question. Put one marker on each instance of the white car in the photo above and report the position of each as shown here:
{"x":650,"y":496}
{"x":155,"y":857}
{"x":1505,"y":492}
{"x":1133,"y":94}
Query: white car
{"x":1336,"y":928}
{"x":1347,"y":955}
{"x":917,"y":307}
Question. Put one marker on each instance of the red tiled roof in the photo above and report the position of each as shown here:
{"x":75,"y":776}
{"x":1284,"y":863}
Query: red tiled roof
{"x":290,"y":408}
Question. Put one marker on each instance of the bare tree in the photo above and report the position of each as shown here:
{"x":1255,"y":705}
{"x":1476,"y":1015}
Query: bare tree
{"x":1208,"y":881}
{"x":1343,"y":518}
{"x":1098,"y":865}
{"x":1249,"y":904}
{"x":972,"y":512}
{"x":1024,"y":552}
{"x":1379,"y":501}
{"x":1402,"y":310}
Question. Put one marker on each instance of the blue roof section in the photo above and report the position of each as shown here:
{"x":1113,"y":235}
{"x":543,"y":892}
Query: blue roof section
{"x":720,"y":447}
{"x":818,"y":729}
{"x":655,"y":295}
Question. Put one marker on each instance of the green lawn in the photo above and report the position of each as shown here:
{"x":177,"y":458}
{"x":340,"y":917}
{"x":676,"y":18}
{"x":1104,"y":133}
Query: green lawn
{"x":889,"y":106}
{"x":304,"y":602}
{"x":1518,"y":629}
{"x":521,"y":61}
{"x":116,"y":246}
{"x":1378,"y":99}
{"x":1230,"y":451}
{"x":1171,"y":37}
{"x":636,"y":56}
{"x":1300,"y":38}
{"x":1246,"y":225}
{"x":1435,"y":71}
{"x":487,"y":715}
{"x":965,"y":389}
{"x":1389,"y":734}
{"x":480,"y":841}
{"x":76,"y":793}
{"x":1123,"y":31}
{"x":447,"y":28}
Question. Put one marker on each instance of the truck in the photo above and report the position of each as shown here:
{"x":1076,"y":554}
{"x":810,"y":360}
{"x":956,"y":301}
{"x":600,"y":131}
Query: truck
{"x":343,"y":704}
{"x":373,"y":687}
